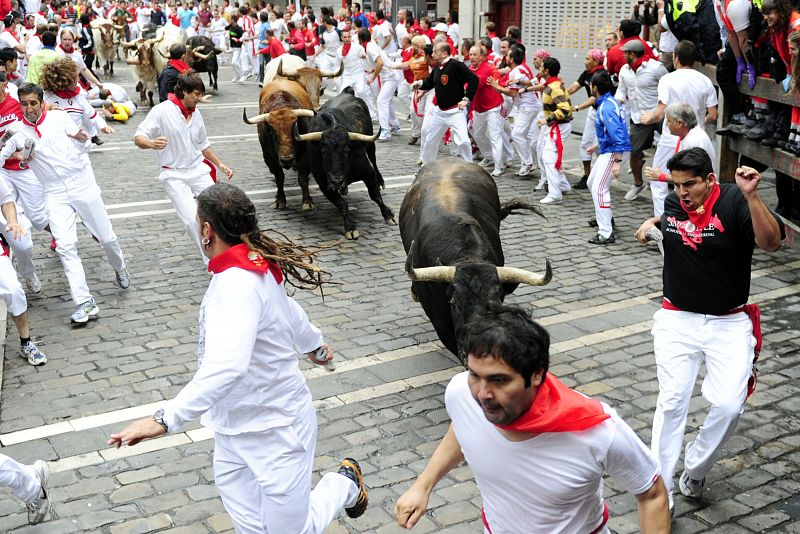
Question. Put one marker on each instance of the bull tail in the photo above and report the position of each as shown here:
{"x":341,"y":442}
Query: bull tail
{"x":508,"y":208}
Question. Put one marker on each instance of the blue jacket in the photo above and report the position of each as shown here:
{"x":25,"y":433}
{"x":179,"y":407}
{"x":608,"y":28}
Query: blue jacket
{"x":612,"y":132}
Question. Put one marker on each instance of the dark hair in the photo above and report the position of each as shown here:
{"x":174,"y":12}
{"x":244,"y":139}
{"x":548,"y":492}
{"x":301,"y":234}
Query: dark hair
{"x":3,"y":76}
{"x":290,"y":25}
{"x":686,"y":53}
{"x":311,"y":18}
{"x":359,"y":23}
{"x":28,"y":88}
{"x":189,"y":83}
{"x":514,"y":31}
{"x":630,"y":28}
{"x":517,"y":55}
{"x":85,"y":19}
{"x":486,"y":42}
{"x":379,"y":14}
{"x":232,"y":216}
{"x":358,"y":6}
{"x":409,"y":19}
{"x":602,"y":81}
{"x":363,"y":35}
{"x":694,"y":160}
{"x":7,"y":54}
{"x":263,"y":16}
{"x":454,"y":16}
{"x":509,"y":334}
{"x":49,"y":39}
{"x":468,"y":42}
{"x":519,"y":46}
{"x":177,"y":51}
{"x":552,"y":65}
{"x":510,"y":40}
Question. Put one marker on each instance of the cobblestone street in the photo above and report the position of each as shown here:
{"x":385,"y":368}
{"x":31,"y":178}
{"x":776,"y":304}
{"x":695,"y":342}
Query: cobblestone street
{"x":384,"y":404}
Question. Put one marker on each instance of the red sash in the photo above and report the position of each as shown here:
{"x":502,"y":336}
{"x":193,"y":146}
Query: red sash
{"x":555,"y":135}
{"x":242,"y":257}
{"x":754,"y":314}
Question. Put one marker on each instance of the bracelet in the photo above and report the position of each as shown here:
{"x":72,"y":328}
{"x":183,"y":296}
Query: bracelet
{"x":662,"y":177}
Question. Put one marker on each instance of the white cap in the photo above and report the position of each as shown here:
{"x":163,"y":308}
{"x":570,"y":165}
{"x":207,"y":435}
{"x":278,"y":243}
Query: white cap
{"x":441,"y":27}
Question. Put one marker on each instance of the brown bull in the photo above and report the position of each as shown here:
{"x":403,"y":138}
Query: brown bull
{"x":309,"y":77}
{"x":143,"y":67}
{"x":283,"y":103}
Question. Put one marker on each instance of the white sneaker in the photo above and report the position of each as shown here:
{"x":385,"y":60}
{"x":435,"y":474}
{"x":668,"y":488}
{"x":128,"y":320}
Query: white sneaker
{"x":85,"y":311}
{"x":40,"y":506}
{"x":634,"y":191}
{"x":395,"y":128}
{"x":235,"y":79}
{"x":541,"y":186}
{"x":497,"y":172}
{"x":486,"y":163}
{"x":33,"y":284}
{"x":689,"y":487}
{"x":123,"y":278}
{"x":549,"y":200}
{"x":385,"y":136}
{"x":524,"y":170}
{"x":32,"y":353}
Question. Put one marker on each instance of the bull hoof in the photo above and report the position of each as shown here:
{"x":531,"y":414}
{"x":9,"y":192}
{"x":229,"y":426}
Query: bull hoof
{"x":307,"y":206}
{"x":280,"y":204}
{"x":391,"y":220}
{"x":354,"y":234}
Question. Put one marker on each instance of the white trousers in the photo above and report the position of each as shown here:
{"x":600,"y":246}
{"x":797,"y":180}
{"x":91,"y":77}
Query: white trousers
{"x":660,"y":190}
{"x":548,"y":155}
{"x":487,"y":130}
{"x":236,"y":62}
{"x":434,"y":126}
{"x":418,"y":117}
{"x":11,"y":291}
{"x":246,"y":61}
{"x":66,"y":200}
{"x":524,"y":133}
{"x":30,"y":195}
{"x":264,"y":479}
{"x":386,"y":112}
{"x":599,"y":184}
{"x":362,"y":91}
{"x":589,"y":135}
{"x":681,"y":341}
{"x":22,"y":247}
{"x":182,"y":186}
{"x":20,"y":478}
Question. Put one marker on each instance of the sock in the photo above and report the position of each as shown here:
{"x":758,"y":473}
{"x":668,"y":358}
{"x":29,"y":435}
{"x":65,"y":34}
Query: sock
{"x":24,"y":340}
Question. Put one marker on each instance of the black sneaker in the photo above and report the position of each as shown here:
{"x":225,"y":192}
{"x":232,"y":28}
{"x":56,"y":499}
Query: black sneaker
{"x":351,"y":470}
{"x":581,"y":183}
{"x":97,"y":141}
{"x":593,"y":223}
{"x":600,"y":240}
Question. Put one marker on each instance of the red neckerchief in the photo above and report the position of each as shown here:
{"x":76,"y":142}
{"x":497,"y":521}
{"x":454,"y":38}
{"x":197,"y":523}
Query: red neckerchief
{"x":242,"y":257}
{"x":552,"y":79}
{"x":557,"y":408}
{"x":595,"y":69}
{"x":346,"y":49}
{"x":179,"y":65}
{"x":701,"y":216}
{"x":35,"y":125}
{"x":638,"y":63}
{"x":65,"y":50}
{"x":67,"y":93}
{"x":12,"y":75}
{"x":491,"y":35}
{"x":186,"y":112}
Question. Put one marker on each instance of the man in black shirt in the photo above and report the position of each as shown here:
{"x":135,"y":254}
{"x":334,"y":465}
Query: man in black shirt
{"x":447,"y":79}
{"x":168,"y":77}
{"x":709,"y":232}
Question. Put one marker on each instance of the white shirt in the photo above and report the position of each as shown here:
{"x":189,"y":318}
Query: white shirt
{"x":75,"y":56}
{"x":400,"y":31}
{"x":454,"y":33}
{"x":80,"y":111}
{"x":32,"y":6}
{"x":737,"y":11}
{"x":8,"y":39}
{"x":33,"y":45}
{"x":54,"y":155}
{"x":691,"y":87}
{"x":185,"y":141}
{"x":379,"y":34}
{"x":666,"y":39}
{"x":143,"y":16}
{"x":279,"y":27}
{"x":698,"y":138}
{"x":373,"y":53}
{"x":526,"y":100}
{"x":552,"y":482}
{"x":332,"y":42}
{"x":248,"y":378}
{"x":640,"y":88}
{"x":117,"y":93}
{"x":354,"y":62}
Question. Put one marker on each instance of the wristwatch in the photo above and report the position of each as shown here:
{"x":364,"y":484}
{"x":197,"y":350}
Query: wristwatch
{"x":158,"y":417}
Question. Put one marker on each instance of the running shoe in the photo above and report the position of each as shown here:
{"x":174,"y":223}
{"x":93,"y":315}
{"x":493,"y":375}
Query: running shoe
{"x":33,"y":284}
{"x":600,"y":240}
{"x":85,"y":311}
{"x":634,"y":191}
{"x":549,"y":200}
{"x":32,"y":353}
{"x":123,"y":278}
{"x":40,"y":506}
{"x":524,"y":170}
{"x":689,"y":487}
{"x":497,"y":172}
{"x":352,"y":470}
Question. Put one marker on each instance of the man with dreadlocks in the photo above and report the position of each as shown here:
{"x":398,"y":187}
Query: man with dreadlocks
{"x":248,"y":387}
{"x":176,"y":131}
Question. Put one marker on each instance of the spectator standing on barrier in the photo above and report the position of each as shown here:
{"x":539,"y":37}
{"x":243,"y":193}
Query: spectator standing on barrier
{"x":593,"y":63}
{"x":248,"y":387}
{"x":638,"y":86}
{"x":538,"y":449}
{"x":684,"y":84}
{"x":615,"y":57}
{"x":709,"y":233}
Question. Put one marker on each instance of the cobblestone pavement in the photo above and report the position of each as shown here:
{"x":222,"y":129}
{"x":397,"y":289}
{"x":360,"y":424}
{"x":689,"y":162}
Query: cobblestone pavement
{"x":384,"y":404}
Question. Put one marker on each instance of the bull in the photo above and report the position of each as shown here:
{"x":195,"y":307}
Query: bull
{"x":143,"y":67}
{"x":202,"y":56}
{"x":295,"y":69}
{"x":106,"y":42}
{"x":343,"y":152}
{"x":450,"y":227}
{"x":166,"y":36}
{"x":283,"y":104}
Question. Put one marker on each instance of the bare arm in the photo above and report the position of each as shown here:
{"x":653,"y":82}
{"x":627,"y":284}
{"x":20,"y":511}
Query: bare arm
{"x":211,"y":156}
{"x":92,"y":78}
{"x":10,"y":213}
{"x":145,"y":142}
{"x":653,"y":508}
{"x":765,"y":227}
{"x":413,"y":503}
{"x":655,"y":116}
{"x":711,"y":114}
{"x":573,"y":87}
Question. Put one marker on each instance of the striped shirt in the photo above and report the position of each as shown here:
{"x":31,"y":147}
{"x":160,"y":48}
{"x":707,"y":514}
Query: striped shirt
{"x":555,"y":102}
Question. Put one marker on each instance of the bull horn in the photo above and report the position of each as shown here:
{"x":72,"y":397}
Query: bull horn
{"x":313,"y":136}
{"x":133,"y":61}
{"x":119,"y":26}
{"x":521,"y":276}
{"x":128,"y":44}
{"x":441,"y":273}
{"x":336,"y":74}
{"x":201,"y":56}
{"x":162,"y":54}
{"x":302,"y":113}
{"x":264,"y":117}
{"x":281,"y":74}
{"x":159,"y":39}
{"x":354,"y":136}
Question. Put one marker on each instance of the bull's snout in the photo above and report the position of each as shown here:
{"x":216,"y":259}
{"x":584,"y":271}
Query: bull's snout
{"x":287,"y":163}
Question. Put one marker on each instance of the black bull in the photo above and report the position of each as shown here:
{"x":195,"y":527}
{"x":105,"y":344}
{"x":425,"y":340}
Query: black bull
{"x":202,"y":55}
{"x":343,"y":152}
{"x":450,"y":226}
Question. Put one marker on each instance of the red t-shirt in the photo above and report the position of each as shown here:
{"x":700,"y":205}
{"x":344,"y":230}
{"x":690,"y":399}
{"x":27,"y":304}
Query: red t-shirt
{"x":10,"y":112}
{"x":405,"y":55}
{"x":275,"y":48}
{"x":311,"y":41}
{"x":486,"y":97}
{"x":615,"y":57}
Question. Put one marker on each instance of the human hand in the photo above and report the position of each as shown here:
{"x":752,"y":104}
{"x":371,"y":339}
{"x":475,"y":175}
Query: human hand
{"x":136,"y":432}
{"x":747,"y":180}
{"x":741,"y":66}
{"x":81,"y":136}
{"x":107,"y":130}
{"x":592,"y":149}
{"x":651,"y":173}
{"x":751,"y":71}
{"x":15,"y":230}
{"x":787,"y":82}
{"x":312,"y":356}
{"x":227,"y":170}
{"x":463,"y":104}
{"x":641,"y":233}
{"x":615,"y":169}
{"x":411,"y":506}
{"x":646,"y":117}
{"x":159,"y":143}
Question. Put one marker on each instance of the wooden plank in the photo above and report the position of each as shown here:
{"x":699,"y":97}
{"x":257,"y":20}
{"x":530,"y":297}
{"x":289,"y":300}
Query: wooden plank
{"x":772,"y":157}
{"x":765,"y":87}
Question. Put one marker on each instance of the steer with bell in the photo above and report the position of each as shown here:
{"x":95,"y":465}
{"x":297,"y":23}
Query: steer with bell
{"x":450,"y":227}
{"x":342,"y":151}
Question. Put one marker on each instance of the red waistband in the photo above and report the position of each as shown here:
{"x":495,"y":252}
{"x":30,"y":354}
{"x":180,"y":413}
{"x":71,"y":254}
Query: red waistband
{"x":667,"y":305}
